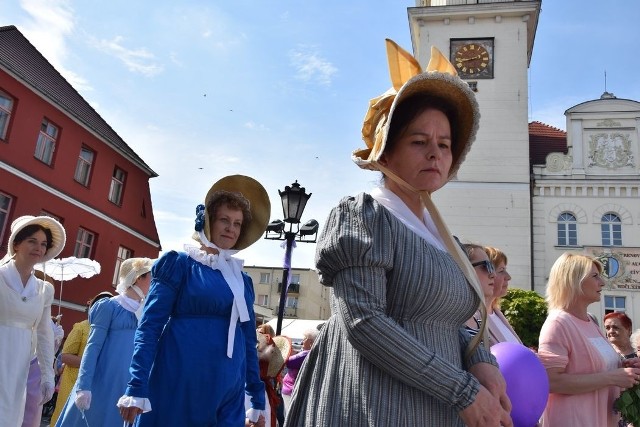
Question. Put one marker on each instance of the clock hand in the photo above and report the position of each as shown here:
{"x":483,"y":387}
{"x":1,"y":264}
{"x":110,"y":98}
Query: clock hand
{"x":469,"y":59}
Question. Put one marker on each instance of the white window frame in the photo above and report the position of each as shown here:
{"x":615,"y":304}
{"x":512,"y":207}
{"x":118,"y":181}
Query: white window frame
{"x":6,"y":108}
{"x":83,"y":167}
{"x":6,"y":201}
{"x":263,"y":300}
{"x":84,"y":243}
{"x":46,"y":143}
{"x":265,"y":277}
{"x":611,"y":229}
{"x":123,"y":253}
{"x":292,"y":302}
{"x":615,"y":299}
{"x":117,"y":186}
{"x":567,"y":229}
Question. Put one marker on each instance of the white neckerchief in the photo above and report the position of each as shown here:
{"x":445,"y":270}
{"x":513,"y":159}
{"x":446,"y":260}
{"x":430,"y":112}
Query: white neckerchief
{"x":127,"y":303}
{"x":138,"y":291}
{"x":12,"y":278}
{"x":231,"y":269}
{"x":427,"y":229}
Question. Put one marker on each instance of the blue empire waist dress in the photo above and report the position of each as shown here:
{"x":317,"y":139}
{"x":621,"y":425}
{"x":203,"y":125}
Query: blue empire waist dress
{"x":104,"y":369}
{"x":180,"y":361}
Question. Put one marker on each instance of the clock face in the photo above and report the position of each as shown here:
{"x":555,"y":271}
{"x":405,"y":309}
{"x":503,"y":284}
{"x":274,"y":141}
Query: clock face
{"x":473,"y":58}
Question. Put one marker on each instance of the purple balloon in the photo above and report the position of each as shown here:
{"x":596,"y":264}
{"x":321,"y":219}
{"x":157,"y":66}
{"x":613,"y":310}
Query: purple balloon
{"x":527,"y":382}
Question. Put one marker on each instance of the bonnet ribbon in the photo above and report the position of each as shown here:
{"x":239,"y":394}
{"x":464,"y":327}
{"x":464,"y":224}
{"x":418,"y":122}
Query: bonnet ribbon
{"x":231,"y":269}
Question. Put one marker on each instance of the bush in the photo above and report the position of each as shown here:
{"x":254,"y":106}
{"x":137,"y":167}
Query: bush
{"x":526,"y":311}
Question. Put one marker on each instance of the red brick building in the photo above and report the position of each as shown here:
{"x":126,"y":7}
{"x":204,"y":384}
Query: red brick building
{"x":58,"y":157}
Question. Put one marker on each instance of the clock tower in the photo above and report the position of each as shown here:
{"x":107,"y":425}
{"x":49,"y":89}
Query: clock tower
{"x":490,"y":45}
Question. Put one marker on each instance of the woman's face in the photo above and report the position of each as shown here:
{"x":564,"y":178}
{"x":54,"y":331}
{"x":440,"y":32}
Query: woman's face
{"x":616,"y":332}
{"x":143,"y":282}
{"x":483,"y":267}
{"x":32,"y":249}
{"x":225,"y":228}
{"x":501,"y":281}
{"x":592,"y":286}
{"x":422,"y":154}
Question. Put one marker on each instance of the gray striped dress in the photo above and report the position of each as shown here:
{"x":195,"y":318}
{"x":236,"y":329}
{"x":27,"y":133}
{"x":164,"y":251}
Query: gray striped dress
{"x":392,"y":352}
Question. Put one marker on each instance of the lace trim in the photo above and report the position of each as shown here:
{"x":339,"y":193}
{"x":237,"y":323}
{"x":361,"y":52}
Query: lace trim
{"x":204,"y":258}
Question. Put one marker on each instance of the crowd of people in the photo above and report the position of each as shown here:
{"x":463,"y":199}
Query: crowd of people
{"x":415,"y":312}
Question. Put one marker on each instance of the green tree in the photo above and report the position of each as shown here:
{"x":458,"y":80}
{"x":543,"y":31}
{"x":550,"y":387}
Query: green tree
{"x":526,"y":311}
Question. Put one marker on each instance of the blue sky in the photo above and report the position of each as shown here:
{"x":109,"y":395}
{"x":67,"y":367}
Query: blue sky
{"x":277,"y":89}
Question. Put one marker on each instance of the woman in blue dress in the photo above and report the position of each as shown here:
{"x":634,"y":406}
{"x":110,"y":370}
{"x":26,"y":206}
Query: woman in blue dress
{"x":104,"y":369}
{"x":195,"y":350}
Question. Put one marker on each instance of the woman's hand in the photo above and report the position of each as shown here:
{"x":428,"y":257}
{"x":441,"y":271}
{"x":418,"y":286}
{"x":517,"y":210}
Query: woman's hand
{"x":491,"y":377}
{"x":492,"y":405}
{"x":259,"y":423}
{"x":129,"y":414}
{"x":631,"y":363}
{"x":485,"y":411}
{"x":625,"y":377}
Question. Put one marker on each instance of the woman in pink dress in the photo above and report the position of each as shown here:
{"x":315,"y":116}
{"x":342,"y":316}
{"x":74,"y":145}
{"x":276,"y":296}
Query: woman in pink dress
{"x":585,"y":372}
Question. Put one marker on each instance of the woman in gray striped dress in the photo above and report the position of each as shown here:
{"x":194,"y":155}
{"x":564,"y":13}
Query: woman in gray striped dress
{"x":394,"y":352}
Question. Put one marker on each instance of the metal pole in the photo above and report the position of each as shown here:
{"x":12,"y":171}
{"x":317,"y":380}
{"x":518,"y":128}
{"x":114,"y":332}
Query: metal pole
{"x":289,"y":237}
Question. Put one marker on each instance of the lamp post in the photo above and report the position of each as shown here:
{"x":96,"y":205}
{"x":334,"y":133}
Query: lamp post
{"x":294,"y":200}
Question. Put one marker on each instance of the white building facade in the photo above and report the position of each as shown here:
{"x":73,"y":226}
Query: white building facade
{"x":583,"y":199}
{"x":490,"y":201}
{"x":586,"y":200}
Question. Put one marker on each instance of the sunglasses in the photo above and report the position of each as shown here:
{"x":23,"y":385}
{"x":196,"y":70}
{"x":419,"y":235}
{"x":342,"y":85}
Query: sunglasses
{"x":487,"y":265}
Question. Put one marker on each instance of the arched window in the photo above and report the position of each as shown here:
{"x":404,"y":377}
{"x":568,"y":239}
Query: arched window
{"x":611,"y":228}
{"x":567,"y":230}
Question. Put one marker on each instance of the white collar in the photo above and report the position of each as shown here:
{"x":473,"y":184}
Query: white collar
{"x":394,"y":204}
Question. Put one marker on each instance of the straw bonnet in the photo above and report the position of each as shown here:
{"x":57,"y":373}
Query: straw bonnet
{"x":130,"y":270}
{"x":276,"y":350}
{"x":259,"y":206}
{"x":97,"y":298}
{"x":439,"y":80}
{"x":58,"y":235}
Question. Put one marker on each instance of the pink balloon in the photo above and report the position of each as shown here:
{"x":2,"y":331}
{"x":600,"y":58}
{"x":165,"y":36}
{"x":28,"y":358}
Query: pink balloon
{"x":527,"y":382}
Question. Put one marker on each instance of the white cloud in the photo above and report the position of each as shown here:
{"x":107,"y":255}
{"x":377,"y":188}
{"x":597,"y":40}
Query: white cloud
{"x":138,"y":60}
{"x":49,"y":24}
{"x":255,"y":126}
{"x":310,"y":66}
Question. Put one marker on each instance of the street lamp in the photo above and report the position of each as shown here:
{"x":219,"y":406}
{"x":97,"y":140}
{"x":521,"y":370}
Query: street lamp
{"x":294,"y":200}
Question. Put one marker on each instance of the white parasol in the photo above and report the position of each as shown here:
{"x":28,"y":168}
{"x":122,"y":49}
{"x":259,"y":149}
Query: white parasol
{"x":69,"y":268}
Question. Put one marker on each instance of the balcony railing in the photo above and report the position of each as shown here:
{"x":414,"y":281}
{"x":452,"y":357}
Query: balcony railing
{"x":294,"y":288}
{"x":288,"y":311}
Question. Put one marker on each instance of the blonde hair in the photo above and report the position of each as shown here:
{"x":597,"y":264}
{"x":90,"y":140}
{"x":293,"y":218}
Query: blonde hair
{"x":565,"y":279}
{"x":496,"y":256}
{"x":470,"y":248}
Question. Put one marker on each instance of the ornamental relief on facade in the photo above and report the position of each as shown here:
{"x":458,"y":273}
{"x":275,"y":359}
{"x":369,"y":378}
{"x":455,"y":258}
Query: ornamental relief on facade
{"x":621,"y":267}
{"x":610,"y":150}
{"x":558,"y":162}
{"x":608,"y":123}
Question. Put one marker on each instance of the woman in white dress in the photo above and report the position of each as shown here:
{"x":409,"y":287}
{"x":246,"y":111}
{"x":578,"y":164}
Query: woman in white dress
{"x":25,"y":312}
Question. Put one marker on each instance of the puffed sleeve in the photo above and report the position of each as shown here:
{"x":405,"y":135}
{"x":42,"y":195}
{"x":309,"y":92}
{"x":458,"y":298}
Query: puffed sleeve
{"x":354,"y":255}
{"x":44,"y":346}
{"x":73,"y":341}
{"x":254,"y":385}
{"x":168,"y":274}
{"x":100,"y":317}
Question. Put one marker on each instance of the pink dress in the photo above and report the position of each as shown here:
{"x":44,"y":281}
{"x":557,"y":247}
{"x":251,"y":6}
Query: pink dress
{"x":581,"y":348}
